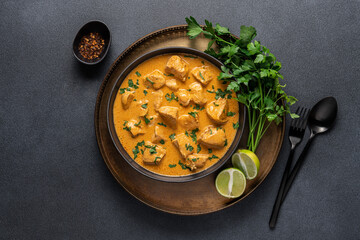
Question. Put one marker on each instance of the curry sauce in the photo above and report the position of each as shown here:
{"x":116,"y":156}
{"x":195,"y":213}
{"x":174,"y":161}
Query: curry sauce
{"x":173,"y":116}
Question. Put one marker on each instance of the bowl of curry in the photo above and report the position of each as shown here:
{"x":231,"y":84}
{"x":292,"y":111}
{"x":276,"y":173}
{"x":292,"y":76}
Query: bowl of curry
{"x":171,"y":118}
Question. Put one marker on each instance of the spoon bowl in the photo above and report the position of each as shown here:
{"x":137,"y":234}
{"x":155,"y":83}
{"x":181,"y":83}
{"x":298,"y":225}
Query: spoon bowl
{"x":322,"y":116}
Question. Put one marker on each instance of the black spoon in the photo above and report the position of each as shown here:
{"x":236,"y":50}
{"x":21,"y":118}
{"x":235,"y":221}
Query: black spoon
{"x":321,"y":118}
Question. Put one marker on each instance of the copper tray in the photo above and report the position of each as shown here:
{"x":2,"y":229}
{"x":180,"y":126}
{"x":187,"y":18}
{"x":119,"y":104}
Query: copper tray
{"x":191,"y":198}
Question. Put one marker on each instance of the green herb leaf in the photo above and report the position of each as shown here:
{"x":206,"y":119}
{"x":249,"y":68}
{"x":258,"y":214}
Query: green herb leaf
{"x":230,"y":114}
{"x":144,"y":106}
{"x":193,"y":114}
{"x":145,"y":92}
{"x":193,"y":29}
{"x":147,"y":79}
{"x":213,"y":157}
{"x":172,"y":165}
{"x":171,"y":97}
{"x":137,"y":124}
{"x":188,"y":147}
{"x":172,"y":136}
{"x":162,"y":124}
{"x":138,"y":74}
{"x":147,"y":120}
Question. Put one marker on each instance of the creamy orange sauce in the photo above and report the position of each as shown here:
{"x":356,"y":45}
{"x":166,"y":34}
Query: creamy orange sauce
{"x":169,"y":165}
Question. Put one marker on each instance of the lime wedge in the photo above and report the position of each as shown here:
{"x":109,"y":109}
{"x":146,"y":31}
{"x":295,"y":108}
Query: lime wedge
{"x":230,"y":183}
{"x":247,"y":162}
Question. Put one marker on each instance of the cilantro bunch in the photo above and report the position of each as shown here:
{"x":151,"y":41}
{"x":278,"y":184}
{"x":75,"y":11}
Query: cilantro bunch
{"x":252,"y":72}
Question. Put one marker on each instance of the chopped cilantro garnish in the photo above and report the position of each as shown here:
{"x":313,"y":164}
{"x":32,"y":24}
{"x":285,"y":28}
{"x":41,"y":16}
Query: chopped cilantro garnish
{"x":145,"y":92}
{"x":236,"y":125}
{"x":142,"y":143}
{"x":189,"y":147}
{"x":131,"y":83}
{"x":172,"y":136}
{"x":147,"y":79}
{"x":225,"y":143}
{"x":172,"y":165}
{"x":153,"y":150}
{"x":144,"y":106}
{"x":230,"y":114}
{"x":193,"y":134}
{"x":169,"y":75}
{"x":138,"y":74}
{"x":193,"y":114}
{"x":183,"y":166}
{"x":213,"y":157}
{"x":147,"y":120}
{"x":210,"y":150}
{"x":201,"y":76}
{"x":198,"y":148}
{"x":162,"y":124}
{"x":137,"y":124}
{"x":171,"y":97}
{"x":156,"y":158}
{"x":136,"y":152}
{"x":162,"y":141}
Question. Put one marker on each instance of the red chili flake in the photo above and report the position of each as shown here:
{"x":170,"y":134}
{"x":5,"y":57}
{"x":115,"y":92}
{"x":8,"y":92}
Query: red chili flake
{"x":91,"y":45}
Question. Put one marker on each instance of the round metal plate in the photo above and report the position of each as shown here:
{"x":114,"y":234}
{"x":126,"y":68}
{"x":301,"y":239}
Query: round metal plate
{"x":189,"y":198}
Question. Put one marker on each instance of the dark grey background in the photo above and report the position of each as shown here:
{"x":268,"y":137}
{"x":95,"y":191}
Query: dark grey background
{"x":53,"y":181}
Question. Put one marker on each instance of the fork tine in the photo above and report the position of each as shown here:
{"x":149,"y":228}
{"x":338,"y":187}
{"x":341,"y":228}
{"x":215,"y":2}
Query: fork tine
{"x":299,"y":119}
{"x":305,"y":117}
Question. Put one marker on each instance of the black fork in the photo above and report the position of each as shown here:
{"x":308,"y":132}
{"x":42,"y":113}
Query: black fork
{"x":296,"y":134}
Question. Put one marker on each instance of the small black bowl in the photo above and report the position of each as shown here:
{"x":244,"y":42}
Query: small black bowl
{"x":92,"y":26}
{"x":128,"y":158}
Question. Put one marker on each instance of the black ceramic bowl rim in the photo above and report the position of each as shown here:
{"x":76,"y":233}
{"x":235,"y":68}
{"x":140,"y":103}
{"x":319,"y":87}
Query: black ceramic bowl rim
{"x":122,"y":151}
{"x":78,"y":36}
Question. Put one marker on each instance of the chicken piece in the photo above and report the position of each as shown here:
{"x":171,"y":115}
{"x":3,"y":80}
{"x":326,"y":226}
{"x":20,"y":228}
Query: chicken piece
{"x":217,"y":110}
{"x":196,"y":161}
{"x":154,"y":79}
{"x":134,"y":127}
{"x":159,"y":134}
{"x":169,"y":114}
{"x":153,"y":153}
{"x":158,"y":97}
{"x":143,"y":108}
{"x":127,"y":98}
{"x":172,"y":84}
{"x":189,"y":122}
{"x":183,"y":143}
{"x":213,"y":137}
{"x":196,"y":94}
{"x":183,"y":96}
{"x":203,"y":75}
{"x":177,"y":66}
